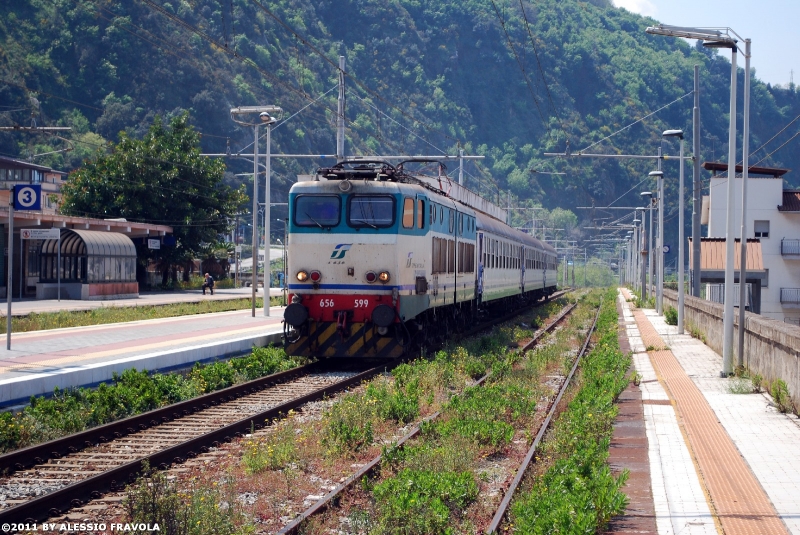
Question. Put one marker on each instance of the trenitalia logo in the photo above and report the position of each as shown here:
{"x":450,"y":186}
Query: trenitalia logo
{"x":340,"y":250}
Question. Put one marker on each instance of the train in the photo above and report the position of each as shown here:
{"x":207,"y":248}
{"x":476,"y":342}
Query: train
{"x":382,"y":259}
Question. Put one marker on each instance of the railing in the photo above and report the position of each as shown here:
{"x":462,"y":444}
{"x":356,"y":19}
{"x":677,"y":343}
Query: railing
{"x":716,"y":294}
{"x":790,"y":296}
{"x":790,"y":247}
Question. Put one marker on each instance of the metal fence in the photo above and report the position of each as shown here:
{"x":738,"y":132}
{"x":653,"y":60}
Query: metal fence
{"x":790,"y":295}
{"x":790,"y":247}
{"x":716,"y":294}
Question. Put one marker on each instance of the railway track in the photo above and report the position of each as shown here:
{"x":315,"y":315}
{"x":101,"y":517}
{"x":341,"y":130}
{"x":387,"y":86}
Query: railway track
{"x":49,"y":479}
{"x":295,"y":526}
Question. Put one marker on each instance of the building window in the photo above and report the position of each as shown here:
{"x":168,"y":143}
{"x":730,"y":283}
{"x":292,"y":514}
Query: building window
{"x":761,"y":229}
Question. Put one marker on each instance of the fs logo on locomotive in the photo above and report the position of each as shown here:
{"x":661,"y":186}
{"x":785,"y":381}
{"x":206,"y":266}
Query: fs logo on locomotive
{"x":340,"y":250}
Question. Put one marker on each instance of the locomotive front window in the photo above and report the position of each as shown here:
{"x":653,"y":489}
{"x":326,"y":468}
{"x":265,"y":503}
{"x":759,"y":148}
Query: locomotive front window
{"x":317,"y":210}
{"x":371,"y":211}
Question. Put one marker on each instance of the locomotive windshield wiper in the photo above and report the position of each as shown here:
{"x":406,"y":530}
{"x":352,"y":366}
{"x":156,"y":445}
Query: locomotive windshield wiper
{"x":363,"y":221}
{"x":314,"y":220}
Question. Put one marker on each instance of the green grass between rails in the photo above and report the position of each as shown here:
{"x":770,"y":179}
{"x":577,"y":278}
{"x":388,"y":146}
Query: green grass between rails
{"x":112,"y":314}
{"x":577,"y":493}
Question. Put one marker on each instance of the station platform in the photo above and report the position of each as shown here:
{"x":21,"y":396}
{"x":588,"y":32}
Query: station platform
{"x":716,"y":461}
{"x":23,"y":307}
{"x":39,"y":361}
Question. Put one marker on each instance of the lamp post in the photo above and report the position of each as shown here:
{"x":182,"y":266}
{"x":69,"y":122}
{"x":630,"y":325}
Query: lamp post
{"x":659,"y":249}
{"x":649,"y":248}
{"x":714,"y":38}
{"x":264,"y":118}
{"x":642,"y":253}
{"x":679,"y":135}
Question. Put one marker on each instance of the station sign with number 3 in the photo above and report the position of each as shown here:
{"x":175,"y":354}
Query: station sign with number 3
{"x":28,"y":197}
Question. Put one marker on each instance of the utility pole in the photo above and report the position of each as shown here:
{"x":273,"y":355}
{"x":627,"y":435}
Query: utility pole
{"x":697,"y":186}
{"x":340,"y":114}
{"x":460,"y":167}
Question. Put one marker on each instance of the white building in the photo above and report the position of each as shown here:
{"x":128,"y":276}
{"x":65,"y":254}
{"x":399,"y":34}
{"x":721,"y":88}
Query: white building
{"x":773,"y":216}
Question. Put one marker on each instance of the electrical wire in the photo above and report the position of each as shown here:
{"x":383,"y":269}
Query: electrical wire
{"x":355,"y":80}
{"x":541,"y":71}
{"x":637,"y":121}
{"x":399,"y":124}
{"x":519,"y":63}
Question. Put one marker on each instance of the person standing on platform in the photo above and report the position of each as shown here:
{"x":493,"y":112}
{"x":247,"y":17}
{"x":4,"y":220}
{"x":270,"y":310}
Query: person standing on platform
{"x":209,"y":283}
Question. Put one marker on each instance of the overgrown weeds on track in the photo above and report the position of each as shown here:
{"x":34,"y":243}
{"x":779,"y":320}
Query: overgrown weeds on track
{"x":575,"y":491}
{"x":198,"y":510}
{"x":132,"y":392}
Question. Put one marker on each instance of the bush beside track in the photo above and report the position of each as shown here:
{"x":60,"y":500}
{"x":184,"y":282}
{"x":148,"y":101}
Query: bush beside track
{"x":133,"y":392}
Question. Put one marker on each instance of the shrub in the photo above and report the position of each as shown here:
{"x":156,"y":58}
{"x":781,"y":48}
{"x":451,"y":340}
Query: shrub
{"x":349,"y":425}
{"x":274,"y":452}
{"x":779,"y":391}
{"x":420,"y":501}
{"x":671,"y":315}
{"x":198,"y":511}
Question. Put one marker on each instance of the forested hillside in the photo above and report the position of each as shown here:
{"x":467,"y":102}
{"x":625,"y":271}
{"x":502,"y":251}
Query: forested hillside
{"x":424,"y":77}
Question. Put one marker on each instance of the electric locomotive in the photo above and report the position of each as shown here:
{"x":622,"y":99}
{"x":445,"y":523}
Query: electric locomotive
{"x":380,"y":260}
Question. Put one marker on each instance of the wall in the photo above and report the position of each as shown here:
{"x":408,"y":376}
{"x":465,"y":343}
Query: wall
{"x":771,"y":347}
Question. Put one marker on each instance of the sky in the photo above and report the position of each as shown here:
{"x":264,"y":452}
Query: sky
{"x":771,"y":25}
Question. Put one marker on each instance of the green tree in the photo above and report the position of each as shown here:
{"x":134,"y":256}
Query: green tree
{"x":160,"y":179}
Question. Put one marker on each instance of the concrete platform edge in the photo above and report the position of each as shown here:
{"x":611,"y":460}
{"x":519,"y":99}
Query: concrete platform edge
{"x":18,"y":390}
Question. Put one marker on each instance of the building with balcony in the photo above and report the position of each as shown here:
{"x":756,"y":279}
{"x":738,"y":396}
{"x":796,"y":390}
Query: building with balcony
{"x":773,"y":222}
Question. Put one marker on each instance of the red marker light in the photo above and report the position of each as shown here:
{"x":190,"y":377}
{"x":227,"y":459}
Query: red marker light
{"x":316,"y":276}
{"x":371,"y":276}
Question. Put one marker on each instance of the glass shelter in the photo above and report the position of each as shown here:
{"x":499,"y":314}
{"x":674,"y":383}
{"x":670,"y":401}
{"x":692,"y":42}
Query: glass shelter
{"x":94,"y":265}
{"x":88,"y":257}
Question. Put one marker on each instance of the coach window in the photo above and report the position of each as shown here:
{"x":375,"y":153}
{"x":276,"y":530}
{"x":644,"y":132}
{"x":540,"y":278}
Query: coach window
{"x":461,"y":224}
{"x":433,"y":213}
{"x":452,"y":221}
{"x":317,"y":210}
{"x":408,"y":212}
{"x":420,"y":213}
{"x":374,"y":211}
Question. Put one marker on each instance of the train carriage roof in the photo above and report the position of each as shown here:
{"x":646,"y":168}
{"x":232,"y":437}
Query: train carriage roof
{"x":499,"y":228}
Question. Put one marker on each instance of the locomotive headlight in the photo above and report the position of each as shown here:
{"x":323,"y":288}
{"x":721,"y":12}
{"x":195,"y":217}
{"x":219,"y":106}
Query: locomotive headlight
{"x":384,"y":277}
{"x":302,"y":276}
{"x":315,"y":276}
